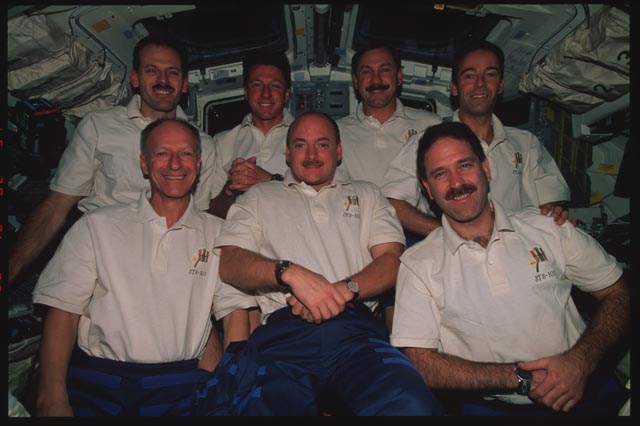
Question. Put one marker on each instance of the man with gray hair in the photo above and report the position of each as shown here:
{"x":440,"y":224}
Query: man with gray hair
{"x":134,"y":285}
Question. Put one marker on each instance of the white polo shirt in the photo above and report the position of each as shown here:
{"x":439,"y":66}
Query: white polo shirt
{"x":509,"y":302}
{"x":245,"y":140}
{"x":368,"y":146}
{"x":102,"y":160}
{"x":144,"y":292}
{"x":523,"y":173}
{"x":330,"y":232}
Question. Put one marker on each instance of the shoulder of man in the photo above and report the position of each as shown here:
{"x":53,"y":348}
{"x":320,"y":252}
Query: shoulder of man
{"x":267,"y":192}
{"x":228,"y":133}
{"x":431,"y":247}
{"x":363,"y":186}
{"x":111,"y":213}
{"x":422,"y":114}
{"x":106,"y":113}
{"x":348,"y":120}
{"x":211,"y":222}
{"x":530,"y":216}
{"x":521,"y":139}
{"x":205,"y":138}
{"x":210,"y":218}
{"x":515,"y":131}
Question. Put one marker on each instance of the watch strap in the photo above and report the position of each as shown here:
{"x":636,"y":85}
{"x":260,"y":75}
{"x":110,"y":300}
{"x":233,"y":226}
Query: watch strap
{"x":524,"y":380}
{"x":281,"y":266}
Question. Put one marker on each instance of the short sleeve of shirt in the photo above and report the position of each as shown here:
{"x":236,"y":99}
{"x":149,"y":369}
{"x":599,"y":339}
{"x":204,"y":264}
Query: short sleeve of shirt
{"x":547,"y":179}
{"x":242,"y":228}
{"x":385,"y":226}
{"x":416,"y":321}
{"x":76,"y":168}
{"x":228,"y":298}
{"x":401,"y":178}
{"x":588,"y":265}
{"x":68,"y":280}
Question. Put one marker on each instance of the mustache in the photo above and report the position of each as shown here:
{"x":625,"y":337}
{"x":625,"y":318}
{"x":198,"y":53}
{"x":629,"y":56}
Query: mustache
{"x":462,"y":190}
{"x":164,"y":87}
{"x":377,"y":87}
{"x":312,"y":163}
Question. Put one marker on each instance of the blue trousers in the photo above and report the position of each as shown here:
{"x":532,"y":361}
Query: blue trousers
{"x":288,"y":365}
{"x":102,"y":387}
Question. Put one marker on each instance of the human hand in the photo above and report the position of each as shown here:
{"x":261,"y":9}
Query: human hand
{"x":297,"y":308}
{"x":559,"y":213}
{"x":316,"y":299}
{"x":246,"y":173}
{"x":558,"y":381}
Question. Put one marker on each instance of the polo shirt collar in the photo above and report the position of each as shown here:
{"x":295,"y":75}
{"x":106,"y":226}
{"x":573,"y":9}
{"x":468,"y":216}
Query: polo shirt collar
{"x":247,"y":121}
{"x":399,"y":112}
{"x":133,"y":110}
{"x":502,"y":223}
{"x":146,"y":213}
{"x":339,"y":178}
{"x":287,"y":119}
{"x":499,"y":132}
{"x":501,"y":218}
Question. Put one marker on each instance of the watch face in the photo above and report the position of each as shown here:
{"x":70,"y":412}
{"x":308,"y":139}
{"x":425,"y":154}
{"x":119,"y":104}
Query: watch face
{"x":353,"y":286}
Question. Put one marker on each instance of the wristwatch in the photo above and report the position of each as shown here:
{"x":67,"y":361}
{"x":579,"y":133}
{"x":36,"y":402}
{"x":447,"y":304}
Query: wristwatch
{"x":281,"y":266}
{"x":277,"y":176}
{"x":524,"y":380}
{"x":354,"y":288}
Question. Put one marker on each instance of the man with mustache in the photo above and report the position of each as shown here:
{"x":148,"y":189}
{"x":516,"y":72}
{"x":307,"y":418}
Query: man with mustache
{"x":316,"y":248}
{"x":524,"y":173}
{"x":381,"y":125}
{"x":483,"y":303}
{"x":100,"y":165}
{"x":375,"y":133}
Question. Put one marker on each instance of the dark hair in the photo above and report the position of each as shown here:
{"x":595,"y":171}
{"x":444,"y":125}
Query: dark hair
{"x":146,"y":132}
{"x":448,"y":129}
{"x":371,"y":45}
{"x":266,"y":57}
{"x":336,"y":129}
{"x":164,"y":41}
{"x":472,"y":46}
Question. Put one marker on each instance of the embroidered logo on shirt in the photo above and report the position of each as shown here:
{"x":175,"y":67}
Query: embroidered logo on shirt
{"x":201,"y":257}
{"x":352,"y":206}
{"x":538,"y":256}
{"x":410,"y":133}
{"x":352,"y":200}
{"x":517,"y":161}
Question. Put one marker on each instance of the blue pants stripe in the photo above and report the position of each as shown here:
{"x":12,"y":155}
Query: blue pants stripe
{"x":90,"y":376}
